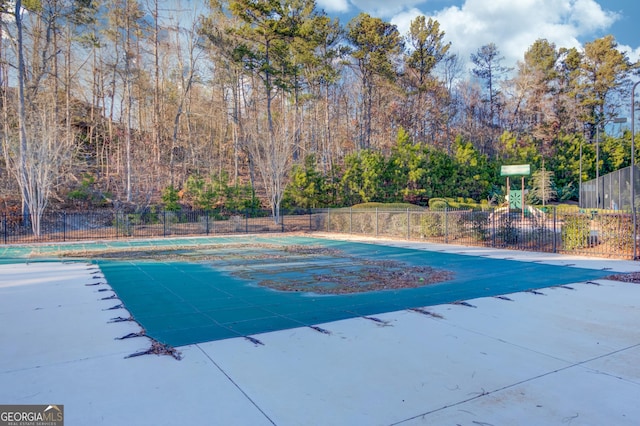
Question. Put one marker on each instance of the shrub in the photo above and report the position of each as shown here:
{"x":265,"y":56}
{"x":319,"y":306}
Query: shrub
{"x":363,"y":222}
{"x":567,"y":208}
{"x":170,"y":218}
{"x":432,"y":224}
{"x":388,"y":206}
{"x":339,"y":221}
{"x":479,"y":225}
{"x":438,"y":203}
{"x":395,"y":225}
{"x":170,"y":198}
{"x":575,"y":232}
{"x":124,"y":223}
{"x":507,"y":231}
{"x":454,"y":224}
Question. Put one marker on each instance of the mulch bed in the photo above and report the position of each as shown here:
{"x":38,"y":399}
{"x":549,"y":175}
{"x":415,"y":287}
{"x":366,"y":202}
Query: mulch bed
{"x":632,"y":277}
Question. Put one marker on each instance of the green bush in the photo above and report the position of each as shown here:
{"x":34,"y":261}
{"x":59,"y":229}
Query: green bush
{"x":170,"y":218}
{"x":79,"y":194}
{"x":389,"y":206}
{"x":575,"y":232}
{"x":438,"y":203}
{"x":480,"y":225}
{"x":394,"y":224}
{"x":467,"y":206}
{"x":454,"y":225}
{"x":86,"y":192}
{"x":456,"y":204}
{"x":507,"y":231}
{"x":567,"y":208}
{"x":170,"y":198}
{"x":124,"y":223}
{"x":432,"y":224}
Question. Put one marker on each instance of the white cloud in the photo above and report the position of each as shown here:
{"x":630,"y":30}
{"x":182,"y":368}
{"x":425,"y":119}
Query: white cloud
{"x":333,"y":6}
{"x":632,"y":54}
{"x":587,"y":15}
{"x":403,"y":20}
{"x":513,"y":25}
{"x":385,"y":8}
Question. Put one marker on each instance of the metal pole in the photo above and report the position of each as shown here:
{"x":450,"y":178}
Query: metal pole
{"x":522,"y":206}
{"x":328,"y":218}
{"x":350,"y":220}
{"x":580,"y":179}
{"x":598,"y":165}
{"x":555,"y":229}
{"x":633,"y":154}
{"x":446,"y":225}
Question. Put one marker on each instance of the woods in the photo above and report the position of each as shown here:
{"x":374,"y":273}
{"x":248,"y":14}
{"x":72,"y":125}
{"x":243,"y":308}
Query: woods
{"x":113,"y":104}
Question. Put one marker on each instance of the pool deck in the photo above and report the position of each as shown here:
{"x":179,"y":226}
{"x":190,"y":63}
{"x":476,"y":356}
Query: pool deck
{"x":568,"y":355}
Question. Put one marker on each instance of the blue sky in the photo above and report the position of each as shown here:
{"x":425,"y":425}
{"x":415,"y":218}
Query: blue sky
{"x":513,"y":25}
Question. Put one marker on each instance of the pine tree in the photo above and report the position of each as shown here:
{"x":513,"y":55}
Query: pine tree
{"x":543,"y":189}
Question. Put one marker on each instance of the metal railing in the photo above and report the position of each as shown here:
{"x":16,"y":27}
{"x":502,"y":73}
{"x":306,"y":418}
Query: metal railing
{"x":585,"y":232}
{"x":98,"y":225}
{"x":594,"y":233}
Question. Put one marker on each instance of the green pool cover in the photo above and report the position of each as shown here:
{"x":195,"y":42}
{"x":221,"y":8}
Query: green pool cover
{"x":185,"y":302}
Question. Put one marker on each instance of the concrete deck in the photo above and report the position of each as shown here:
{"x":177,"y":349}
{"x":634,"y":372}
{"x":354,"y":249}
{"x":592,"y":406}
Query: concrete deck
{"x":566,"y":356}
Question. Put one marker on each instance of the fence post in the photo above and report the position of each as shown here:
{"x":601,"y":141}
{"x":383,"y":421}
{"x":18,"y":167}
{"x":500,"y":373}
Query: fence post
{"x":555,"y":221}
{"x":164,"y":223}
{"x":493,"y":228}
{"x":282,"y":220}
{"x":408,"y":225}
{"x":64,"y":226}
{"x":4,"y":227}
{"x":206,"y":215}
{"x":246,"y":221}
{"x":376,"y":221}
{"x":328,"y":218}
{"x":446,"y":225}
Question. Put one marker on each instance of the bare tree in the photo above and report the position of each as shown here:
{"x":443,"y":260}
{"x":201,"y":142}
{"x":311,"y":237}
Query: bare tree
{"x":48,"y":151}
{"x":272,"y":161}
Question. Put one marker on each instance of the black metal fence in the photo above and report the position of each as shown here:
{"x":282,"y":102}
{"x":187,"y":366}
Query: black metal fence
{"x":586,"y":232}
{"x":595,"y":233}
{"x":96,"y":225}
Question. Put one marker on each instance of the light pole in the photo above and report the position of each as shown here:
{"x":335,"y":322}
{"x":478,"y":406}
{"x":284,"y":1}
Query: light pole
{"x":633,"y":177}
